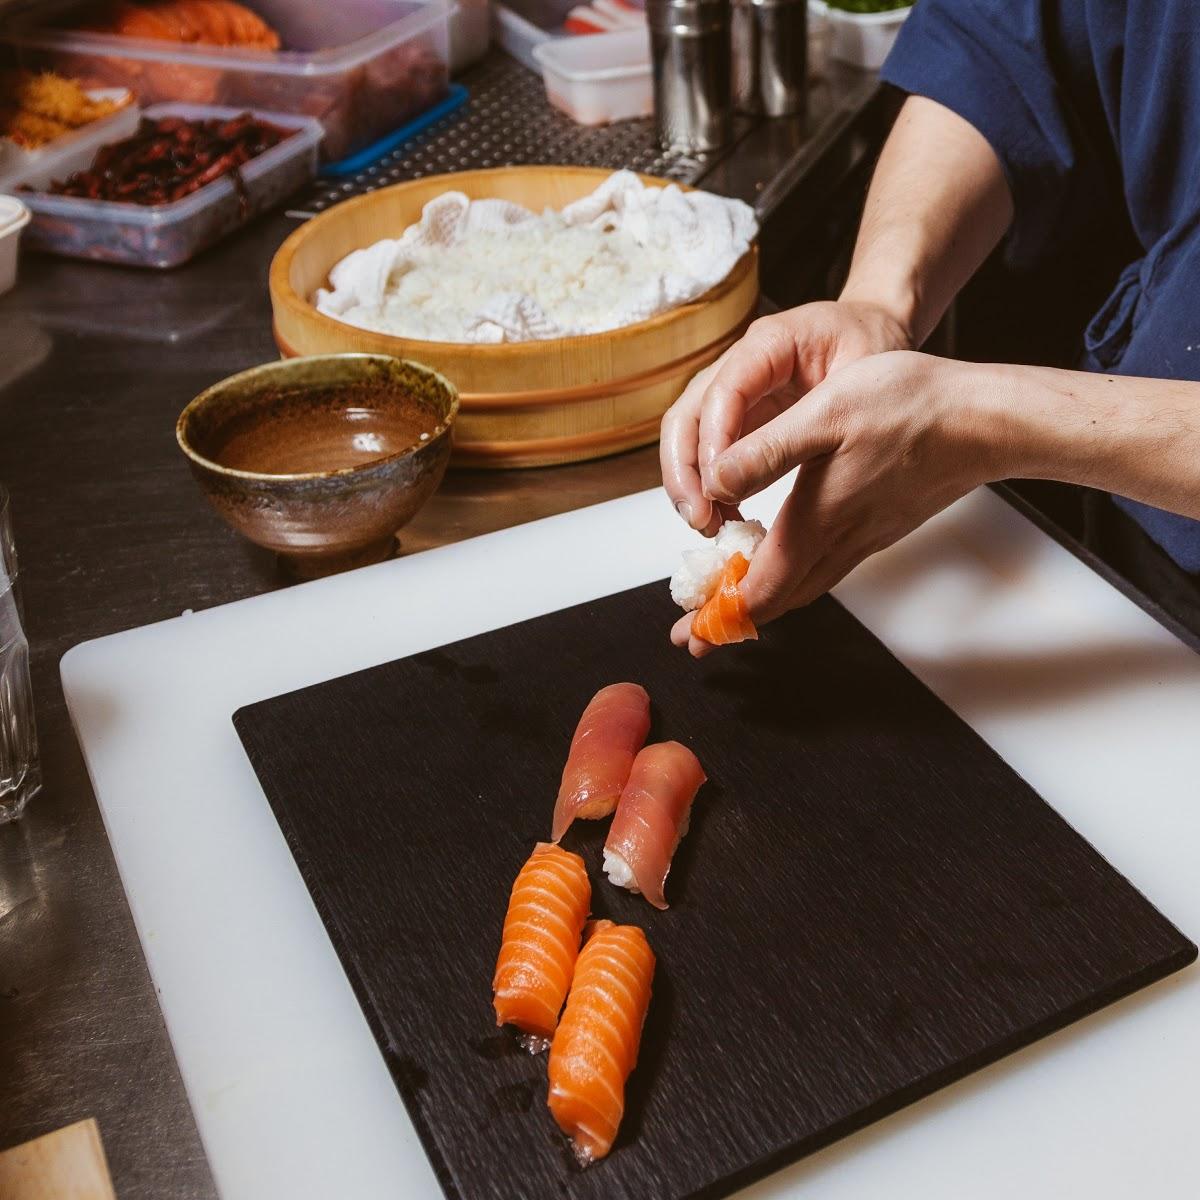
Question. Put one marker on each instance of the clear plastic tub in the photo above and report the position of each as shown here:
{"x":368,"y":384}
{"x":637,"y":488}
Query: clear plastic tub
{"x":165,"y":235}
{"x":599,"y":78}
{"x":36,"y":168}
{"x":860,"y":39}
{"x":521,"y":25}
{"x":361,"y":67}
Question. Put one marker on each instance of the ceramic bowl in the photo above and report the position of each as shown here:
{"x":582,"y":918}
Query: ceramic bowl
{"x":321,"y":459}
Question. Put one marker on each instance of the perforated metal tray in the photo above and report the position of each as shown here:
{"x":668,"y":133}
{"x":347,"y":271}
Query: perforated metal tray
{"x":508,"y":120}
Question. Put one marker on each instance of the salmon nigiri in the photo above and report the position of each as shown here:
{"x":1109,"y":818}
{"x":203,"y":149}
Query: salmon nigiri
{"x":596,"y":1045}
{"x":707,"y":583}
{"x":546,"y":913}
{"x":725,"y":618}
{"x":652,"y":817}
{"x":610,"y":732}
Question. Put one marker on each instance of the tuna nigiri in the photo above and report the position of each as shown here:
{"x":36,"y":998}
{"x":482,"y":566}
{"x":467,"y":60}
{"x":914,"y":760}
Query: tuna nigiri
{"x":596,"y":1045}
{"x":725,"y":618}
{"x":546,"y":914}
{"x":707,"y":583}
{"x":652,"y":818}
{"x":610,"y":732}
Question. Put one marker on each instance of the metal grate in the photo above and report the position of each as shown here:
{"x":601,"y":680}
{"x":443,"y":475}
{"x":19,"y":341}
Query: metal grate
{"x":506,"y":121}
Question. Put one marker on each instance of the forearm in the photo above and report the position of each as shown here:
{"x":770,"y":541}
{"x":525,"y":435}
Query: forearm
{"x":937,"y":206}
{"x":1135,"y":437}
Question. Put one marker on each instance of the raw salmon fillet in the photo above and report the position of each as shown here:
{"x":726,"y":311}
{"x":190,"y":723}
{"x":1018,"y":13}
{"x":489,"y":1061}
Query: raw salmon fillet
{"x":725,"y":618}
{"x":651,"y":819}
{"x":610,"y":732}
{"x":546,"y":913}
{"x":206,"y":22}
{"x":596,"y":1045}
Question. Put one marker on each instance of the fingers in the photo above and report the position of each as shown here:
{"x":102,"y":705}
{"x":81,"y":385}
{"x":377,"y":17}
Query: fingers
{"x":732,"y":396}
{"x":803,"y":432}
{"x":681,"y":630}
{"x":827,"y":574}
{"x":678,"y":454}
{"x":762,"y":362}
{"x":777,"y":564}
{"x":792,"y":548}
{"x":785,"y":557}
{"x":812,"y":545}
{"x":681,"y":635}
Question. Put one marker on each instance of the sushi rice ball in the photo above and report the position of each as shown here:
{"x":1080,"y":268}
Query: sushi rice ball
{"x":693,"y":585}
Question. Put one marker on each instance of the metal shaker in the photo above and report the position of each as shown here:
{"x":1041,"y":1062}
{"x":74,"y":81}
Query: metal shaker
{"x":770,"y":52}
{"x":690,"y":51}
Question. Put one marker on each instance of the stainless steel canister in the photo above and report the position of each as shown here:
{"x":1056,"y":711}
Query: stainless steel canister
{"x":770,"y":53}
{"x":690,"y":49}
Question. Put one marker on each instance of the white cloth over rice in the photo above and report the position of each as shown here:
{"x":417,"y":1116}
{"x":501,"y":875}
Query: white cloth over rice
{"x":492,"y":271}
{"x":693,"y":585}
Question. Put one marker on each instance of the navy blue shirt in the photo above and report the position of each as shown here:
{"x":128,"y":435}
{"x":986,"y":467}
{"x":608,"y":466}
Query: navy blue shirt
{"x":1093,"y":108}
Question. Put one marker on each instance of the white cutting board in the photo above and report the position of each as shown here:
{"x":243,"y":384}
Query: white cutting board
{"x":1086,"y":696}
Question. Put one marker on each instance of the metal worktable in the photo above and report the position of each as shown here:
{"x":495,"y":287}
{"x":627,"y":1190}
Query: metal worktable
{"x":95,"y":364}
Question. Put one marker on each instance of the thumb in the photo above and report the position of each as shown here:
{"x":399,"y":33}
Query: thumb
{"x":787,"y":554}
{"x":803,"y":432}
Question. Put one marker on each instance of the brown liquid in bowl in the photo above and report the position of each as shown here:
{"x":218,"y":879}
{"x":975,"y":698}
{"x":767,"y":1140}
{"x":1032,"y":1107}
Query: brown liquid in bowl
{"x":297,"y":440}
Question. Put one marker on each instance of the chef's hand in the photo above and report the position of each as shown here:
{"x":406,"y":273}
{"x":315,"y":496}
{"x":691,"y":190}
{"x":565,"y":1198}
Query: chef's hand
{"x":778,"y":361}
{"x":882,"y":444}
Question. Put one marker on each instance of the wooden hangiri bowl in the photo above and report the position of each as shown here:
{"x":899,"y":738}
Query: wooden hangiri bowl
{"x":523,"y":404}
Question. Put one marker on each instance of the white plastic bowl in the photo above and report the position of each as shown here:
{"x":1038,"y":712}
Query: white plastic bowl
{"x":861,"y":39}
{"x":599,"y":77}
{"x":14,"y":216}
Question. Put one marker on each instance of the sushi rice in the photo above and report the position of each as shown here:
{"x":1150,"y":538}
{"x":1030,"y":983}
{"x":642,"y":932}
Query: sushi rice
{"x":620,"y":873}
{"x":693,"y":585}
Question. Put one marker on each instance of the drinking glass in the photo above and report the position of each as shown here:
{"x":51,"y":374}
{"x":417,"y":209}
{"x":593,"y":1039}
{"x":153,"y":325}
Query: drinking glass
{"x":8,"y":545}
{"x":20,"y":772}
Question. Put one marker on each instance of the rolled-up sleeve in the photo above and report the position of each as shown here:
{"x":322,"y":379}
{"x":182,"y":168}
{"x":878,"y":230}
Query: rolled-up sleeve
{"x":990,"y":62}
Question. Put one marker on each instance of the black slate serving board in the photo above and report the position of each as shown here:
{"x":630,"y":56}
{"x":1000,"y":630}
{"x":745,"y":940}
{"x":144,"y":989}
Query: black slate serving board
{"x":870,"y":903}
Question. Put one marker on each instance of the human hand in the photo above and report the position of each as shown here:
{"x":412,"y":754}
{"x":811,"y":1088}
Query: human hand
{"x":882,"y":445}
{"x":779,"y":360}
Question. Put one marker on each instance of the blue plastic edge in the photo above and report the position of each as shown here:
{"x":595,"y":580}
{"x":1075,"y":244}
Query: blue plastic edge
{"x":351,"y":165}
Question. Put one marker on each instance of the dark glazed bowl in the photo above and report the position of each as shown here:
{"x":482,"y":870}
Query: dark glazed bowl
{"x":320,"y":515}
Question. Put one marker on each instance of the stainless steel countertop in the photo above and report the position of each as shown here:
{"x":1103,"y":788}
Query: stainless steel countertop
{"x":95,"y":364}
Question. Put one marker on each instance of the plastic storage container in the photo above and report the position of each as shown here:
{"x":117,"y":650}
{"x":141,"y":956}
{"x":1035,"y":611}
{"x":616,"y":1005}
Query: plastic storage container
{"x":361,"y":67}
{"x":14,"y":216}
{"x":36,"y":168}
{"x":861,"y":39}
{"x":600,"y":77}
{"x":521,"y":25}
{"x":165,"y":235}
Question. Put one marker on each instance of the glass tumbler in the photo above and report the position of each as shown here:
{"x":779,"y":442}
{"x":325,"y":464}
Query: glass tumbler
{"x":20,"y":772}
{"x":8,"y":545}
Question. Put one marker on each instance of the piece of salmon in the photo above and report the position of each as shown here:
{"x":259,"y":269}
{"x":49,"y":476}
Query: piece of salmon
{"x":206,"y":22}
{"x":596,"y":1045}
{"x":610,"y":733}
{"x":547,"y":910}
{"x":725,"y":618}
{"x":651,"y":819}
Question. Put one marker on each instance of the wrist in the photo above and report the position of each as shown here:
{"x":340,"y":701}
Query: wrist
{"x":895,"y":310}
{"x":987,"y":411}
{"x":1027,"y":422}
